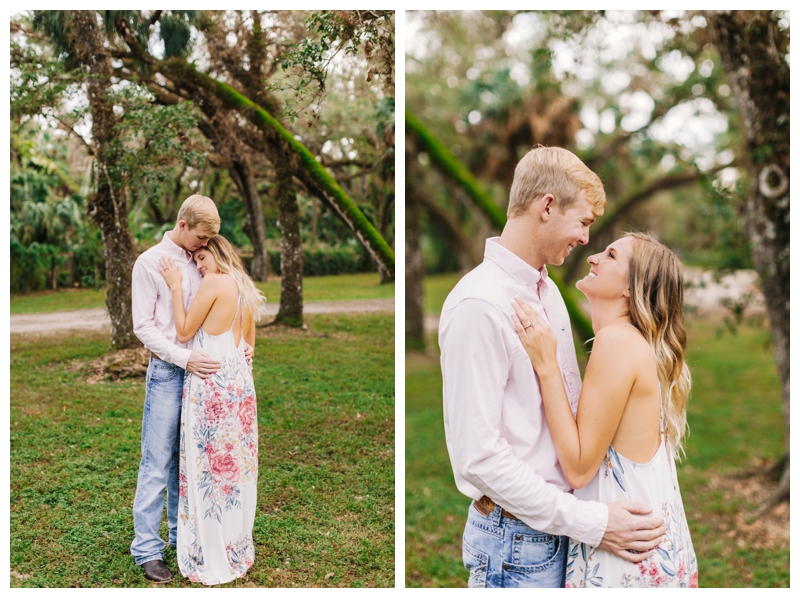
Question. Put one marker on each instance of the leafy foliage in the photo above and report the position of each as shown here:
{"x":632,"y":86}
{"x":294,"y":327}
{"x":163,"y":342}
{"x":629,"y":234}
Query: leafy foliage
{"x":348,"y":32}
{"x":163,"y":157}
{"x":640,"y":98}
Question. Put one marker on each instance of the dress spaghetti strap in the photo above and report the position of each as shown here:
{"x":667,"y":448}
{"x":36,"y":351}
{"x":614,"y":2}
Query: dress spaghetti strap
{"x":238,"y":303}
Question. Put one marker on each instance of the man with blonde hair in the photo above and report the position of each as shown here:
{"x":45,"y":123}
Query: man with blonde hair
{"x":503,"y":456}
{"x":154,"y":325}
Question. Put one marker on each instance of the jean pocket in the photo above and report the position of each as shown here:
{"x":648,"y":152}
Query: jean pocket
{"x":161,"y":371}
{"x":477,"y":563}
{"x":537,"y":561}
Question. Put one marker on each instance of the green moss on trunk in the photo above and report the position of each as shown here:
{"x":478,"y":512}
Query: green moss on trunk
{"x":355,"y":218}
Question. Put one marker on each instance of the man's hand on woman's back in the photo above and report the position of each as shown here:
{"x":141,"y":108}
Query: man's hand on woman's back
{"x":203,"y":366}
{"x":627,"y":530}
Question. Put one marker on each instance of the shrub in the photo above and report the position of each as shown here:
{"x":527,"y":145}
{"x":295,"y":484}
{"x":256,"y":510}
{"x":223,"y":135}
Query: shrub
{"x":29,"y":266}
{"x":32,"y":267}
{"x":323,"y":260}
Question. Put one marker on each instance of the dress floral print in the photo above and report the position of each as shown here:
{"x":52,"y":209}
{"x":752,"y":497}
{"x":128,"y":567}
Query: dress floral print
{"x":218,"y":466}
{"x":673,"y":562}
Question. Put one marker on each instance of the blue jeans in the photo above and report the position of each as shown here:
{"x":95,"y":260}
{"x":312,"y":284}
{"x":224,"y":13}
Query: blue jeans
{"x":158,"y":468}
{"x":500,"y":552}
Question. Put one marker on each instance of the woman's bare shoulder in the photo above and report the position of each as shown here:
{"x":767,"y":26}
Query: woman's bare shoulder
{"x":219,"y":284}
{"x":620,"y":340}
{"x":217,"y":280}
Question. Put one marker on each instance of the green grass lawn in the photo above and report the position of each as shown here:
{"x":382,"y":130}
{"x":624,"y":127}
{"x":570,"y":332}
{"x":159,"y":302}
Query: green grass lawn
{"x":734,"y":415}
{"x":315,"y":288}
{"x":326,"y":460}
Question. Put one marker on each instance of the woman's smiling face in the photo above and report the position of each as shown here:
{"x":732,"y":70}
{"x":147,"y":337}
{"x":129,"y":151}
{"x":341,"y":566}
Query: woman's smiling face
{"x":608,"y":271}
{"x":206,"y":264}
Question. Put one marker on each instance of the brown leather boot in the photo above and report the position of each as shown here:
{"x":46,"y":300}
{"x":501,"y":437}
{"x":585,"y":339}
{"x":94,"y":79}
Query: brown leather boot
{"x":156,"y":572}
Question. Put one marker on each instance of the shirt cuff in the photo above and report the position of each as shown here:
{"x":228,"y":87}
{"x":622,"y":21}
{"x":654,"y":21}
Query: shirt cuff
{"x":592,"y":523}
{"x":180,"y":357}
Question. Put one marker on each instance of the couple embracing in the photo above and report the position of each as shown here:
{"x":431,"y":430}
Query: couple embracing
{"x":573,"y":482}
{"x":194,"y":309}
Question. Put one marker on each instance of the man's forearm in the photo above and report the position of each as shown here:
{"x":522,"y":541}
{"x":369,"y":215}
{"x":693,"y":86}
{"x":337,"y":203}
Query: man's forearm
{"x":155,"y":341}
{"x":540,"y":504}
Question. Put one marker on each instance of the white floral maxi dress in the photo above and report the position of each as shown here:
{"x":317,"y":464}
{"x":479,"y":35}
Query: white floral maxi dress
{"x":673,"y":562}
{"x":218,"y":465}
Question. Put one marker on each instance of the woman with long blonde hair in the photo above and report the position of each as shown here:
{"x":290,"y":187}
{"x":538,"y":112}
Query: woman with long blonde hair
{"x":631,"y":418}
{"x":218,"y":435}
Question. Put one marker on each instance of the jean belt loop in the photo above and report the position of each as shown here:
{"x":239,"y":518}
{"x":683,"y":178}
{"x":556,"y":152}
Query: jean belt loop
{"x":496,"y":514}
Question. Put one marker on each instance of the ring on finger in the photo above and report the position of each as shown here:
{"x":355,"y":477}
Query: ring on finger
{"x":528,"y":326}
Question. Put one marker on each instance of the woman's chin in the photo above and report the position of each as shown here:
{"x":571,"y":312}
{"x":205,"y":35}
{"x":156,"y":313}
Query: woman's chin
{"x":586,"y":289}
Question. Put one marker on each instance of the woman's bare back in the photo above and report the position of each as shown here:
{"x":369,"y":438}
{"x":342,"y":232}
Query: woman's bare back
{"x":220,"y":316}
{"x":637,"y":436}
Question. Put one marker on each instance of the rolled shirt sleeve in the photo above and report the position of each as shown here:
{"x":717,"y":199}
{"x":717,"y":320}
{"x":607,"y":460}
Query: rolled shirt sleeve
{"x":478,"y":354}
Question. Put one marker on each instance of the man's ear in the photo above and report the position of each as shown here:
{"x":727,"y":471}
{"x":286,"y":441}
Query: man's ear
{"x":547,"y":204}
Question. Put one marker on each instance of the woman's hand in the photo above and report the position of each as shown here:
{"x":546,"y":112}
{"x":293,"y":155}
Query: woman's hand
{"x":538,"y":339}
{"x":171,"y":273}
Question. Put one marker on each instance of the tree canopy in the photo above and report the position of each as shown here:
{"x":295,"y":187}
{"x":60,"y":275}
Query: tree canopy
{"x":128,"y":112}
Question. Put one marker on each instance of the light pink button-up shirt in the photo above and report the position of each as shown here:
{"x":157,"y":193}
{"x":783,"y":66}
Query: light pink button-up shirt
{"x":494,"y":419}
{"x":153,"y":320}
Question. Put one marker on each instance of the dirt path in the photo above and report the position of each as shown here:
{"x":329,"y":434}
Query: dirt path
{"x":97,"y":319}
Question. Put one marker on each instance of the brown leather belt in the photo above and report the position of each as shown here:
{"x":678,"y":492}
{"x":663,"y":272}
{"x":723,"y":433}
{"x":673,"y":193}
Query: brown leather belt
{"x":485,"y":506}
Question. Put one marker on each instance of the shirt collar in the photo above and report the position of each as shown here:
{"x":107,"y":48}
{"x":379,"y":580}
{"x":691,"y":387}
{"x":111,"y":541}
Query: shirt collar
{"x":512,"y":264}
{"x":174,"y":249}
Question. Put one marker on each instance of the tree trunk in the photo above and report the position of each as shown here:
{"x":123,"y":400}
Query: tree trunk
{"x":315,"y":213}
{"x":415,"y":276}
{"x":118,"y":252}
{"x":290,"y":312}
{"x":108,"y":206}
{"x":385,"y":216}
{"x":242,"y":176}
{"x":753,"y":50}
{"x":383,"y":224}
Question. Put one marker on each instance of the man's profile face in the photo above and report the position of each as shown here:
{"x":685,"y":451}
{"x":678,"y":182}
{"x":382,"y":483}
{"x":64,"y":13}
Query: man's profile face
{"x":567,"y":229}
{"x":193,"y":239}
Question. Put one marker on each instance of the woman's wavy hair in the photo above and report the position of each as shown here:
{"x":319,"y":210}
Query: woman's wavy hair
{"x":656,"y":310}
{"x":229,"y":263}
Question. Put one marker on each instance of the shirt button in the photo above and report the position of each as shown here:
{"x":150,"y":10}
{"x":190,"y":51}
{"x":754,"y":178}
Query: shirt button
{"x":506,"y":566}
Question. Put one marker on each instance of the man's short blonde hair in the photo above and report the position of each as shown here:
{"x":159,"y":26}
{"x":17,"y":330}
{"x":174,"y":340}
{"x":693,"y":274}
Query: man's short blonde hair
{"x":557,"y":171}
{"x":199,"y":211}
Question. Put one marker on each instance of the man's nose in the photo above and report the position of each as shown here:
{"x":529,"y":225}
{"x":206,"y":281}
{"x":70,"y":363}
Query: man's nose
{"x":584,"y":238}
